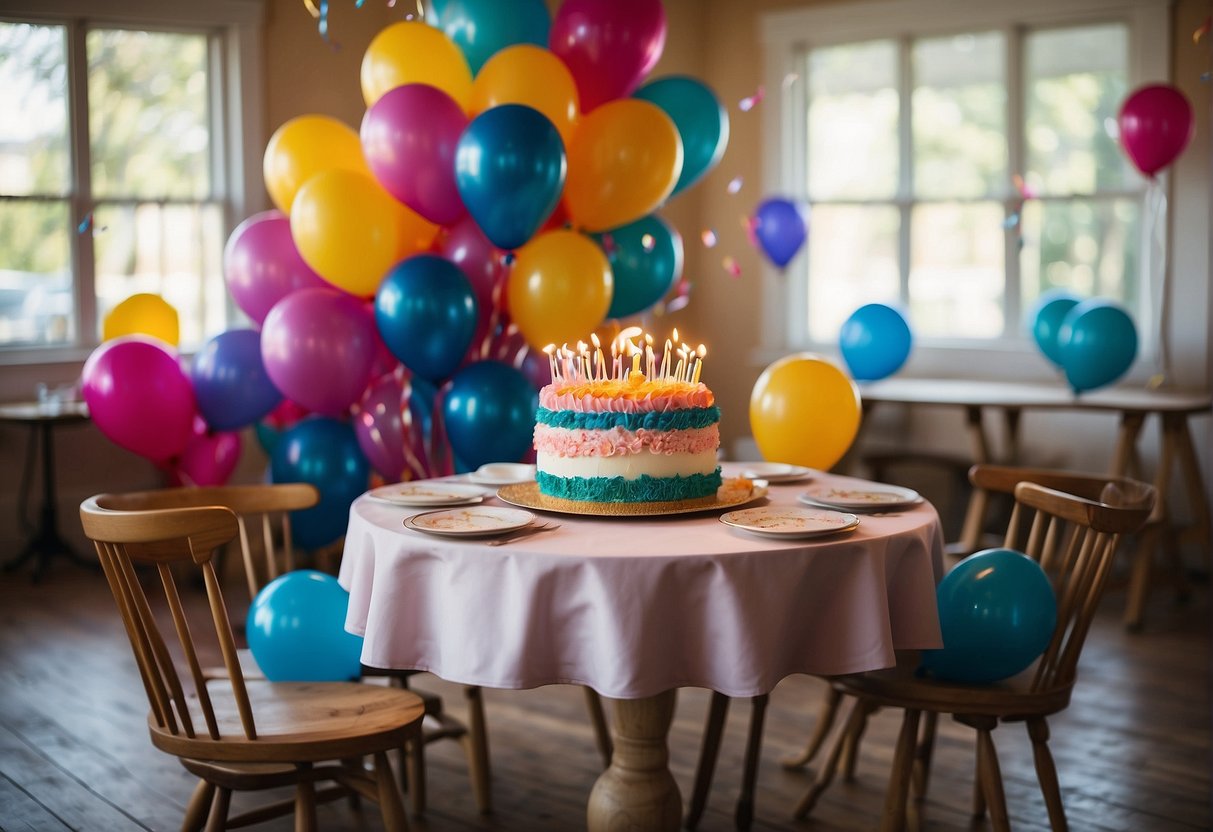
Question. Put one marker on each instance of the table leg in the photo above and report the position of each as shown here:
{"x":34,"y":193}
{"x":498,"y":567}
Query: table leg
{"x":975,"y":515}
{"x":638,"y":792}
{"x":1126,"y":442}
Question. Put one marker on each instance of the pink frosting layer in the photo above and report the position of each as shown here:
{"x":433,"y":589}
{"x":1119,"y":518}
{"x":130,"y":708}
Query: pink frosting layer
{"x":618,"y":441}
{"x":658,"y":402}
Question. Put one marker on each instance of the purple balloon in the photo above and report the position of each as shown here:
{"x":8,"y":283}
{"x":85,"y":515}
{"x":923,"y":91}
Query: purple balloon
{"x":409,"y":138}
{"x":781,"y":229}
{"x":379,"y":427}
{"x":230,"y":382}
{"x":465,"y":245}
{"x":262,"y":265}
{"x":139,"y":397}
{"x":318,"y":346}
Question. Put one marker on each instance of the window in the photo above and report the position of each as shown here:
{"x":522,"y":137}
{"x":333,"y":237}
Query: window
{"x":915,"y":131}
{"x":123,"y":168}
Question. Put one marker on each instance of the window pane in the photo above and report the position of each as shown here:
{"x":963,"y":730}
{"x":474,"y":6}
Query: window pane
{"x":148,"y":117}
{"x":852,"y":261}
{"x":959,"y":116}
{"x":33,"y":111}
{"x":956,"y":270}
{"x":1076,"y":80}
{"x":852,"y":121}
{"x":35,"y":275}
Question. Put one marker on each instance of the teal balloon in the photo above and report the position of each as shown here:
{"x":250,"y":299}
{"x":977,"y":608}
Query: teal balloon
{"x":703,"y":124}
{"x":325,"y":453}
{"x":481,"y":28}
{"x":997,"y":613}
{"x":875,"y":341}
{"x":296,"y":630}
{"x":646,"y":260}
{"x":489,"y":414}
{"x":1097,"y":344}
{"x":1047,"y":317}
{"x":426,"y":313}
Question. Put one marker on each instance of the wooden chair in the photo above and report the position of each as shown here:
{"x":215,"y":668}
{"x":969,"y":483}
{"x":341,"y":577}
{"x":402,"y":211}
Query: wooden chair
{"x":1074,"y":523}
{"x":239,"y":736}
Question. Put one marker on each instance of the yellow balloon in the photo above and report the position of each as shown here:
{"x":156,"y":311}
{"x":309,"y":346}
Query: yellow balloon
{"x":530,"y":75}
{"x":559,"y":289}
{"x":804,"y":410}
{"x":302,"y":148}
{"x":142,"y":314}
{"x":625,"y":158}
{"x":412,"y":52}
{"x":351,"y":231}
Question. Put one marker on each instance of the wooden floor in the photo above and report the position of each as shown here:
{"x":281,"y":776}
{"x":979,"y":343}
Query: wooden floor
{"x":1133,"y":751}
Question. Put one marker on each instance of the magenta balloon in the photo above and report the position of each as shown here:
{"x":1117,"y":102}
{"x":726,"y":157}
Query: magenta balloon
{"x":1155,"y":126}
{"x":318,"y":346}
{"x":379,"y":426}
{"x":465,"y":245}
{"x":609,"y":46}
{"x":139,"y":397}
{"x":409,"y":138}
{"x":262,"y":265}
{"x":208,"y":458}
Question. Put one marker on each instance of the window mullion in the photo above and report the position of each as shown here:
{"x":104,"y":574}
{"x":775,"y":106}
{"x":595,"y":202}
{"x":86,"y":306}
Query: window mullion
{"x":81,"y":202}
{"x":1016,"y":126}
{"x":905,"y":171}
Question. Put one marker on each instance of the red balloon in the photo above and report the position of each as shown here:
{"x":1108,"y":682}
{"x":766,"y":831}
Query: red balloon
{"x":1155,"y":126}
{"x":609,"y":46}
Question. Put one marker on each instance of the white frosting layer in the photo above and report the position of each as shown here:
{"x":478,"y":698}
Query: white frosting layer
{"x":631,"y":466}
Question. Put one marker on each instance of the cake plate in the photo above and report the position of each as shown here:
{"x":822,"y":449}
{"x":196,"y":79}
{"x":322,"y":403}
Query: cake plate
{"x":527,"y":495}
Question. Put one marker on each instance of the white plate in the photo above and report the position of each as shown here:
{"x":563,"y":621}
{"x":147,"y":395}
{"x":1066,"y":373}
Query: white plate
{"x":790,"y":521}
{"x":860,"y":497}
{"x":502,"y":473}
{"x":776,"y":471}
{"x":478,"y":521}
{"x":427,"y":493}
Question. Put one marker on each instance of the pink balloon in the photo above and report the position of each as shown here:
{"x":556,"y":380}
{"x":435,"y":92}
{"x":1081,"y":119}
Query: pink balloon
{"x":139,"y":397}
{"x":208,"y":458}
{"x":262,"y":265}
{"x":379,"y":427}
{"x":465,"y":245}
{"x":1155,"y":126}
{"x":609,"y":46}
{"x":317,"y":346}
{"x":409,"y":137}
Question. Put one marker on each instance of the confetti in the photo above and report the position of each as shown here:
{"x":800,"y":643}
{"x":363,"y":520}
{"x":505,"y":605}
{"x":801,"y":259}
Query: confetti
{"x":85,"y":223}
{"x":1025,"y":190}
{"x":751,"y":101}
{"x":790,"y":79}
{"x":1011,"y":221}
{"x":709,"y":238}
{"x":1202,"y":30}
{"x":730,"y":266}
{"x":608,"y":244}
{"x":647,"y":242}
{"x":678,"y":303}
{"x":735,"y":184}
{"x":750,"y":224}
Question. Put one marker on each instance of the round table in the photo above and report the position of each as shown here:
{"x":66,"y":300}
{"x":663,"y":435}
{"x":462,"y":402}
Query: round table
{"x":636,"y":607}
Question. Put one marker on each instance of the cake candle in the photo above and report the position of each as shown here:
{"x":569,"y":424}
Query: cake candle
{"x":665,"y":360}
{"x":550,"y":351}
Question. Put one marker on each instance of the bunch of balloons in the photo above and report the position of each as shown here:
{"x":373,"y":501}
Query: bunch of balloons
{"x":1093,"y":342}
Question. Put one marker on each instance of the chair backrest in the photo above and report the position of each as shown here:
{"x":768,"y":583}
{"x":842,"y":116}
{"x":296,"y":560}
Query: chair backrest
{"x":165,"y":538}
{"x":1073,"y":524}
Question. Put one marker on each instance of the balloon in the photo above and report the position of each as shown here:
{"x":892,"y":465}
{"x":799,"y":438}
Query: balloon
{"x":142,"y":314}
{"x":875,"y":341}
{"x":535,"y":368}
{"x":351,"y":231}
{"x":409,"y":138}
{"x":412,"y":52}
{"x":805,"y":411}
{"x":262,"y":265}
{"x":1155,"y":126}
{"x":379,"y":426}
{"x":532,"y":76}
{"x":1051,"y":309}
{"x":302,"y":148}
{"x":646,"y":259}
{"x":780,"y":228}
{"x":317,"y":346}
{"x":209,"y":458}
{"x":490,"y":413}
{"x":560,"y":288}
{"x":325,"y":453}
{"x":510,"y":168}
{"x":282,"y":417}
{"x":997,"y":612}
{"x":702,"y":122}
{"x":465,"y":245}
{"x":426,"y":313}
{"x":1097,"y":343}
{"x":296,"y":630}
{"x":231,"y":386}
{"x":139,"y":397}
{"x":623,"y":163}
{"x":609,"y":45}
{"x":482,"y":28}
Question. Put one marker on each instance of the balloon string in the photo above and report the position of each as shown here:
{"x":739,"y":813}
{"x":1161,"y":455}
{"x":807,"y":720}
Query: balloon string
{"x":441,"y":462}
{"x":414,"y":468}
{"x":1156,"y":206}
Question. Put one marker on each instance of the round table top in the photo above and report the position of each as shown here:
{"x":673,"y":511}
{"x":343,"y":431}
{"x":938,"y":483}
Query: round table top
{"x":37,"y":412}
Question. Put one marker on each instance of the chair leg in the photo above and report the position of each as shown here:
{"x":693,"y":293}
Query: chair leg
{"x":718,"y":709}
{"x":602,"y":732}
{"x":199,"y":807}
{"x":744,"y":815}
{"x":217,"y":822}
{"x":390,"y":807}
{"x":894,"y":818}
{"x":850,"y":751}
{"x":1046,"y":773}
{"x":476,"y":744}
{"x":922,"y":757}
{"x":990,"y":776}
{"x":305,"y":807}
{"x":826,"y":775}
{"x":414,"y":757}
{"x":825,"y":721}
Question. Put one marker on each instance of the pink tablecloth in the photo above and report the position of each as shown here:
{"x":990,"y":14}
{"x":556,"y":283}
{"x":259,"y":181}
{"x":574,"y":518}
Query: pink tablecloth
{"x":634,"y":606}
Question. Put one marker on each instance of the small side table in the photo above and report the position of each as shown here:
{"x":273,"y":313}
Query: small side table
{"x":45,"y":542}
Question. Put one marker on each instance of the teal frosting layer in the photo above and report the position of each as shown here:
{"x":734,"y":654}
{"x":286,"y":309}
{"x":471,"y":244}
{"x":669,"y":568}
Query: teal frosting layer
{"x":695,"y":417}
{"x":646,"y":489}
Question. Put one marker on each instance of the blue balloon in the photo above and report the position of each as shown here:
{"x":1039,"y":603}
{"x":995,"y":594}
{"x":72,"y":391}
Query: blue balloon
{"x":325,"y":453}
{"x":644,"y":269}
{"x":296,"y":630}
{"x":875,"y":341}
{"x":1047,"y":317}
{"x":780,"y":228}
{"x":997,"y":612}
{"x":703,"y":124}
{"x":509,"y":168}
{"x":1097,"y":344}
{"x":481,"y":28}
{"x":426,"y":311}
{"x":489,"y":413}
{"x":231,"y":386}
